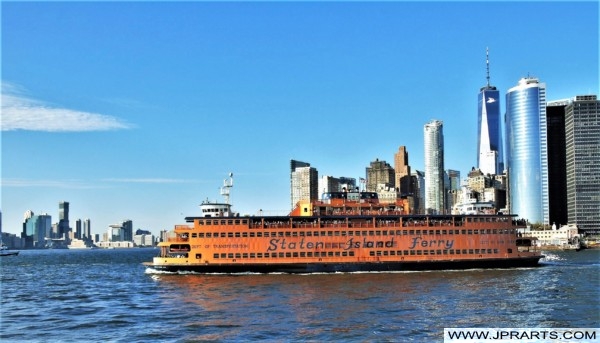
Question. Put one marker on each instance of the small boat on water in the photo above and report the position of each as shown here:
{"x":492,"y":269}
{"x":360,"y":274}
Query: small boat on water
{"x":4,"y":251}
{"x":342,"y":232}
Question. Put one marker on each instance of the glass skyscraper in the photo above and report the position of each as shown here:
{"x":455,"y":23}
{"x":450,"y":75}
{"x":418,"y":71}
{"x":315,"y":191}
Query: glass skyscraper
{"x":526,"y":150}
{"x":434,"y":167}
{"x":490,"y":159}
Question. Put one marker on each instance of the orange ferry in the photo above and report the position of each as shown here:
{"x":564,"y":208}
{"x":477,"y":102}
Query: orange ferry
{"x":342,"y":232}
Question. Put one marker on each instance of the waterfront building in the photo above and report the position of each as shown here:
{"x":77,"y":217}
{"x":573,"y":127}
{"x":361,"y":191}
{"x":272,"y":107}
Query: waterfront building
{"x":304,"y":182}
{"x":402,"y":171}
{"x":582,"y":133}
{"x":489,"y":134}
{"x":434,"y":167}
{"x":78,"y":229}
{"x":557,"y":158}
{"x":328,"y":183}
{"x":35,"y":229}
{"x":379,"y":172}
{"x":526,"y":150}
{"x":122,"y":232}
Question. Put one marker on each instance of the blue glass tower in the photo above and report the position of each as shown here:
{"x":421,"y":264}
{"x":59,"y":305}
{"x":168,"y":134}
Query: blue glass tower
{"x":490,"y":159}
{"x":526,"y":150}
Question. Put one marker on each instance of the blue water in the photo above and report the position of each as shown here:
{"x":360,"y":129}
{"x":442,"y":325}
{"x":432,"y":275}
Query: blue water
{"x":107,"y":295}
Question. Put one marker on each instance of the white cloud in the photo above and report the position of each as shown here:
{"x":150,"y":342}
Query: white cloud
{"x":149,"y":180}
{"x":22,"y":113}
{"x":41,"y":183}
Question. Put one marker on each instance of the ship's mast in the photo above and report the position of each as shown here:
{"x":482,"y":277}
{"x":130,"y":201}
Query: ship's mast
{"x":226,"y":189}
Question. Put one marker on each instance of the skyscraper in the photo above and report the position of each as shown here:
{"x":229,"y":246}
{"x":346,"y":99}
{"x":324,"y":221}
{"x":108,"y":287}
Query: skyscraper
{"x":434,"y":167}
{"x":63,"y":220}
{"x":402,"y":169}
{"x":582,"y":132}
{"x":379,"y":173}
{"x":557,"y":158}
{"x":526,"y":150}
{"x":490,"y":159}
{"x":304,"y":182}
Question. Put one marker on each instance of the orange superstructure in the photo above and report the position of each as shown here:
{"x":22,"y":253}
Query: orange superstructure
{"x":344,"y":232}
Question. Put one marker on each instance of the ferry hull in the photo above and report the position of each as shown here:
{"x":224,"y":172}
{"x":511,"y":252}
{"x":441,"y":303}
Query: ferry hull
{"x":306,"y":268}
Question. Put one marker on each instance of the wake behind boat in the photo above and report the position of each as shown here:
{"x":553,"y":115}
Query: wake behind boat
{"x":342,"y":232}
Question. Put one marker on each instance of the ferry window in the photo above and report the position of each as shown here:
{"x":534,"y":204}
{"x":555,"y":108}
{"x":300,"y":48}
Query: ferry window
{"x":230,"y":255}
{"x":344,"y":233}
{"x":288,"y":234}
{"x":431,"y":232}
{"x":393,"y":252}
{"x":309,"y":254}
{"x":464,"y":232}
{"x":230,"y":234}
{"x":252,"y":255}
{"x":230,"y":222}
{"x":237,"y":222}
{"x":259,"y":255}
{"x":208,"y":222}
{"x":282,"y":254}
{"x":295,"y":234}
{"x":457,"y":252}
{"x":323,"y":233}
{"x":302,"y":254}
{"x":476,"y":251}
{"x":385,"y":253}
{"x":245,"y":255}
{"x":371,"y":253}
{"x":200,"y":222}
{"x":259,"y":234}
{"x":437,"y":232}
{"x":445,"y":252}
{"x":404,"y":232}
{"x":222,"y":234}
{"x":378,"y":233}
{"x":444,"y":232}
{"x":344,"y":253}
{"x":438,"y":252}
{"x":223,"y":255}
{"x":364,"y":233}
{"x":470,"y":232}
{"x":371,"y":233}
{"x":244,"y":234}
{"x":280,"y":233}
{"x":208,"y":235}
{"x":216,"y":256}
{"x":476,"y":232}
{"x":295,"y":254}
{"x":238,"y":255}
{"x":336,"y":233}
{"x":451,"y":251}
{"x":194,"y":235}
{"x":201,"y":235}
{"x":288,"y":254}
{"x":495,"y":251}
{"x":471,"y":251}
{"x":351,"y":253}
{"x":237,"y":234}
{"x":302,"y":233}
{"x":425,"y":252}
{"x":223,"y":222}
{"x":510,"y":251}
{"x":419,"y":252}
{"x":412,"y":252}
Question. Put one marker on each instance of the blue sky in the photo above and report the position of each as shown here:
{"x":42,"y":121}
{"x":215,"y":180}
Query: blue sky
{"x":139,"y":110}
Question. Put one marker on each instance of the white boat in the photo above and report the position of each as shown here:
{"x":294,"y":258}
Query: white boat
{"x":79,"y":244}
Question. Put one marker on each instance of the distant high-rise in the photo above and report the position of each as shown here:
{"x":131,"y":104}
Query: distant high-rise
{"x":434,"y":167}
{"x":379,"y":173}
{"x":304,"y":182}
{"x":402,"y":169}
{"x":526,"y":150}
{"x":582,"y":132}
{"x":63,"y":219}
{"x":489,"y":135}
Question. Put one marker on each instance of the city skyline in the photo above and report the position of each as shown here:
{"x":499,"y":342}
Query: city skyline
{"x":144,"y":118}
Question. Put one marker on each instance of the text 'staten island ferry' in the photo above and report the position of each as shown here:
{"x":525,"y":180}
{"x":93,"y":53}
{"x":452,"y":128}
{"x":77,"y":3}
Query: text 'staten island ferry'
{"x":342,"y":232}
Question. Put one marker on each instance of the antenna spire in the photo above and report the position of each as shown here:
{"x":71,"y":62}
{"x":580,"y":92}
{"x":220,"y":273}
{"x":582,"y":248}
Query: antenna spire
{"x":487,"y":64}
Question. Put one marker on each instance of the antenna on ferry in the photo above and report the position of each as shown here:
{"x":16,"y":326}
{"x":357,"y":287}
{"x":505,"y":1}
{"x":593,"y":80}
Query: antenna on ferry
{"x":225,"y":190}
